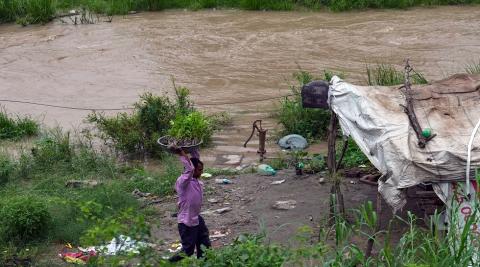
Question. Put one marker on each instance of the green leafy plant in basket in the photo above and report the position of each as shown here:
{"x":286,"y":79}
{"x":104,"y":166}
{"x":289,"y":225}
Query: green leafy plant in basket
{"x":192,"y":126}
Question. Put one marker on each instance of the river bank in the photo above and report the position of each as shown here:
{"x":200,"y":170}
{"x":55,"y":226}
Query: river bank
{"x":42,"y":11}
{"x":228,"y":59}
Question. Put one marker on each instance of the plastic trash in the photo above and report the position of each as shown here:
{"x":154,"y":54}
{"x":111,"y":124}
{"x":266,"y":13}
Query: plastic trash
{"x":427,"y":132}
{"x":206,"y":175}
{"x":223,"y":181}
{"x":293,"y":142}
{"x":118,"y":245}
{"x":264,"y":169}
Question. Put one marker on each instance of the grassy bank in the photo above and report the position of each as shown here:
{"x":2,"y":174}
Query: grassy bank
{"x":41,"y":11}
{"x":63,"y":186}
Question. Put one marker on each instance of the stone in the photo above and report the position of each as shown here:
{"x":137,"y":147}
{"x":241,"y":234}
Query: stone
{"x":284,"y":204}
{"x":232,"y":159}
{"x":82,"y":183}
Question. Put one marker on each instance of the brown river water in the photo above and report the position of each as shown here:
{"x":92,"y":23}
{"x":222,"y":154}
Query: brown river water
{"x":224,"y":57}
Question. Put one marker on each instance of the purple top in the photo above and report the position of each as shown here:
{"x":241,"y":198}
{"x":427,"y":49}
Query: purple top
{"x":190,"y":193}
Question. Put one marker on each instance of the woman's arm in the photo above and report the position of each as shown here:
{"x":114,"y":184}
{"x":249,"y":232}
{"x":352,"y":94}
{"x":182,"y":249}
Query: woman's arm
{"x":188,"y":168}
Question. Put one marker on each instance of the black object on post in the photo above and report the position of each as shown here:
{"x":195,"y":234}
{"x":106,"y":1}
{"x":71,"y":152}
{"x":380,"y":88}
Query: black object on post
{"x":315,"y":94}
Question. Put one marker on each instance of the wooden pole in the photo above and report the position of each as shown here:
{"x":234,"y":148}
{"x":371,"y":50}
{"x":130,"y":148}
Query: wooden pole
{"x":332,"y":138}
{"x":332,"y":167}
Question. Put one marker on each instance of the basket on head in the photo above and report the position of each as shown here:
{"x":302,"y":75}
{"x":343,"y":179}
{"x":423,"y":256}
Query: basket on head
{"x":166,"y":140}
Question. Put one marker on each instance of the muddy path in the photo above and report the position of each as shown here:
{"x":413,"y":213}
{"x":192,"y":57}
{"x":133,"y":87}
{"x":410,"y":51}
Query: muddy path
{"x":251,"y":198}
{"x":226,"y":58}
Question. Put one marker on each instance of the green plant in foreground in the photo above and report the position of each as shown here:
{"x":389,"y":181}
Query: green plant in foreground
{"x":23,"y":219}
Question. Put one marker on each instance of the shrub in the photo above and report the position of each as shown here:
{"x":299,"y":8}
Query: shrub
{"x":353,"y":155}
{"x":6,"y":169}
{"x":310,"y":123}
{"x":16,"y":128}
{"x":52,"y":150}
{"x":23,"y":219}
{"x":139,"y":131}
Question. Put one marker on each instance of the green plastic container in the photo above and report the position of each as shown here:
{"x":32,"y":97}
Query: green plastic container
{"x":427,"y":132}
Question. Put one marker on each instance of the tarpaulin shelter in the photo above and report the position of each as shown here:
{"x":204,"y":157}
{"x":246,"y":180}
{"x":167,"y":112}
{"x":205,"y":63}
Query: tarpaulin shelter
{"x":374,"y":117}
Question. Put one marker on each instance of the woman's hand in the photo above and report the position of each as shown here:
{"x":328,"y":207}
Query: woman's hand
{"x":176,"y":150}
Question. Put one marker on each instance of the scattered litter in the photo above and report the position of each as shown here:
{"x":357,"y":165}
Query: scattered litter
{"x":217,"y":211}
{"x":310,"y":218}
{"x":73,"y":11}
{"x":213,"y":200}
{"x":223,"y":181}
{"x":137,"y":193}
{"x":278,"y":182}
{"x":82,"y":183}
{"x":147,"y":198}
{"x":293,"y":141}
{"x":321,"y":180}
{"x":206,"y":175}
{"x":77,"y":257}
{"x":117,"y":245}
{"x":362,"y":166}
{"x":80,"y":256}
{"x":175,"y":247}
{"x":285,"y":205}
{"x":264,"y":169}
{"x":219,"y":234}
{"x":242,"y":167}
{"x":353,"y":182}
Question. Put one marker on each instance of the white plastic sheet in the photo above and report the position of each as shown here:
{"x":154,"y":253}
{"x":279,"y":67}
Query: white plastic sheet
{"x":374,"y":118}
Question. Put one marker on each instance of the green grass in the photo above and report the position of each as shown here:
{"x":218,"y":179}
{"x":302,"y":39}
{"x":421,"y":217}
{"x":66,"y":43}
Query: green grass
{"x":38,"y":178}
{"x":41,"y":11}
{"x":388,"y":75}
{"x":16,"y":127}
{"x":473,"y":68}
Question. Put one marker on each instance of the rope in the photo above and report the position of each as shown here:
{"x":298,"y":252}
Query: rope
{"x":57,"y":106}
{"x":130,"y":108}
{"x":469,"y":156}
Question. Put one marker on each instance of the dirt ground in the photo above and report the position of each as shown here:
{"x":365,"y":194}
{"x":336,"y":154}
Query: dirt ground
{"x":251,"y":197}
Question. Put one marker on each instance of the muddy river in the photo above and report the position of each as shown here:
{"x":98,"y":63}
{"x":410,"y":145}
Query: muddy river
{"x":224,"y":57}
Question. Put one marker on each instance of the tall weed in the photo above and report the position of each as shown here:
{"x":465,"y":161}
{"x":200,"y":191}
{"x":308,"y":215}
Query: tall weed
{"x":387,"y":75}
{"x":473,"y":68}
{"x":16,"y":128}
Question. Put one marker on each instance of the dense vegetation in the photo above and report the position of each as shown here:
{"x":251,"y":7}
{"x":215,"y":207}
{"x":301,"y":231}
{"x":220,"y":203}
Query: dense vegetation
{"x":14,"y":128}
{"x":337,"y":242}
{"x":63,"y":186}
{"x":41,"y":11}
{"x":135,"y":133}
